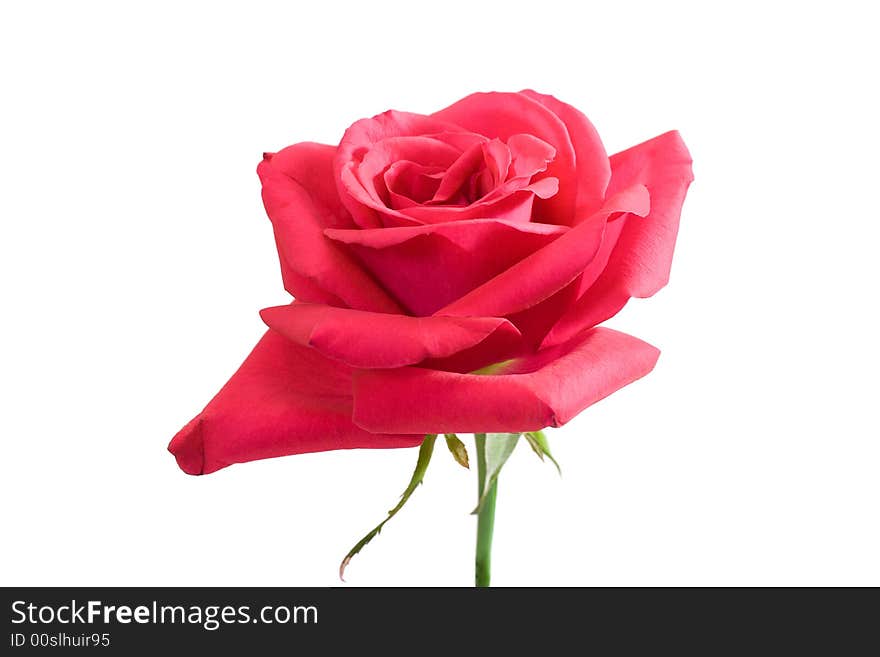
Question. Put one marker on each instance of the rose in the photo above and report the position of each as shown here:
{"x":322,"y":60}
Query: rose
{"x":449,"y":272}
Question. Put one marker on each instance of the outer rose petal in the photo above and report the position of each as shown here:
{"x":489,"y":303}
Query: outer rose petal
{"x":593,"y":170}
{"x":545,"y":389}
{"x":537,"y":321}
{"x":639,"y":263}
{"x":308,"y":164}
{"x":305,"y":252}
{"x":545,"y":272}
{"x":368,"y":340}
{"x":426,"y":267}
{"x":504,"y":114}
{"x":284,"y":399}
{"x":311,"y":165}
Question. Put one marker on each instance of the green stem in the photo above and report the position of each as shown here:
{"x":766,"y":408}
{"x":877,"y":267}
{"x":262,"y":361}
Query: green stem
{"x":485,"y":517}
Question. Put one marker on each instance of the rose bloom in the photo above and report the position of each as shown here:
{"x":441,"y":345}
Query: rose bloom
{"x":449,"y":273}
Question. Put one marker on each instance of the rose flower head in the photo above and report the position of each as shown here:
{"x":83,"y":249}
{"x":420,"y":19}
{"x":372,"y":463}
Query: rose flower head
{"x":449,"y":272}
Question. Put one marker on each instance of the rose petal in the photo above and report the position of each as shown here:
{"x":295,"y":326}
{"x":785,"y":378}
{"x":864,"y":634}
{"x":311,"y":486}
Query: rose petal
{"x":463,"y":141}
{"x":410,"y":184}
{"x":456,"y":175}
{"x":504,"y":114}
{"x":548,"y":270}
{"x":497,"y":157}
{"x":639,"y":263}
{"x":537,"y":321}
{"x":497,"y":347}
{"x":381,"y":340}
{"x":426,"y":267}
{"x":311,"y":165}
{"x":530,"y":155}
{"x":544,"y":188}
{"x":546,"y":389}
{"x":298,"y":223}
{"x":514,"y":203}
{"x":597,"y":265}
{"x":284,"y":399}
{"x":592,"y":167}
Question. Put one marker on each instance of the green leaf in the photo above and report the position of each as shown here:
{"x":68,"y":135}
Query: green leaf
{"x":541,"y":447}
{"x":498,"y":447}
{"x":425,"y":452}
{"x":457,"y":449}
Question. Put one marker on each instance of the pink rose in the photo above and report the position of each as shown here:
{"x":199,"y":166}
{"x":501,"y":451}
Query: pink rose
{"x":449,"y":272}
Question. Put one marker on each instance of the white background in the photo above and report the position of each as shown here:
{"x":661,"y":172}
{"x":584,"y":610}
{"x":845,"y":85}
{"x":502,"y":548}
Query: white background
{"x":135,"y":255}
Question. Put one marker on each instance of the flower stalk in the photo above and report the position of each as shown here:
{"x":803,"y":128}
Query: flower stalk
{"x":485,"y":517}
